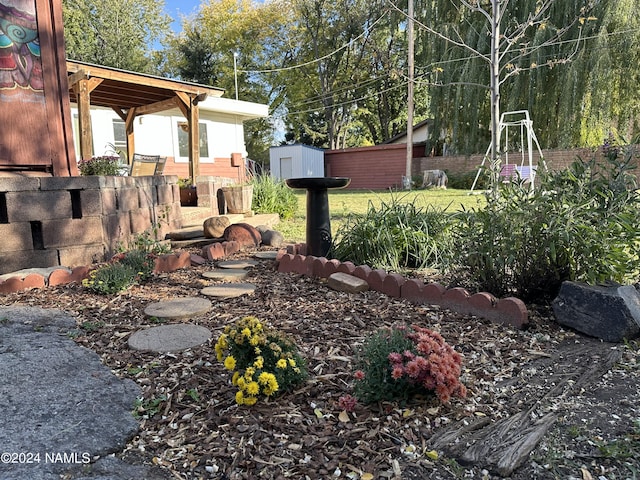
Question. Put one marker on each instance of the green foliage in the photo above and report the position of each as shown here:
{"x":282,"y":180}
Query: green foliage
{"x":147,"y":408}
{"x":273,"y":196}
{"x":114,"y":33}
{"x":464,"y":181}
{"x":394,"y":235}
{"x":103,"y":165}
{"x":110,"y":279}
{"x":125,"y":269}
{"x":264,"y":361}
{"x":580,"y":224}
{"x":399,"y":362}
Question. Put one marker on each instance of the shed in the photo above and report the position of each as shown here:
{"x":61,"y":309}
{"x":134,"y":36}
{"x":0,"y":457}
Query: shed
{"x":296,"y":161}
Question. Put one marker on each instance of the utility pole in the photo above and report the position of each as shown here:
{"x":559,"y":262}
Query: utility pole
{"x":410,"y":73}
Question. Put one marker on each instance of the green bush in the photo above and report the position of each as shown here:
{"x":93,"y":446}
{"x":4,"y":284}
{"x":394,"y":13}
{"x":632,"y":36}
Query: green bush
{"x":579,"y":224}
{"x":111,"y":279}
{"x":104,"y":165}
{"x":273,"y":196}
{"x":394,"y":236}
{"x":464,"y":181}
{"x":399,"y":362}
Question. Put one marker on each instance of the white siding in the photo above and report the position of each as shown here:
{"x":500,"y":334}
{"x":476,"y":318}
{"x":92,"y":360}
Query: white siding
{"x":305,"y":161}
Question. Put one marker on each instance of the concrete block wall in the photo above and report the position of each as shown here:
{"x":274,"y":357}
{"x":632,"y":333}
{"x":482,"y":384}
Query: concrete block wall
{"x":51,"y":221}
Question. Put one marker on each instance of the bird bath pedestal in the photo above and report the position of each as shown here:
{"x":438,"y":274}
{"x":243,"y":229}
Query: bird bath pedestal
{"x":318,"y":222}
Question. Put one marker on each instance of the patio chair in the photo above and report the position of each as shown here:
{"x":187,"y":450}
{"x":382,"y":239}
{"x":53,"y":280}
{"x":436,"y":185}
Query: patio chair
{"x":143,"y":165}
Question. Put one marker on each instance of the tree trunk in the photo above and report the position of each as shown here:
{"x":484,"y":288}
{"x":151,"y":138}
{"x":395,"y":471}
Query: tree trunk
{"x":496,"y":17}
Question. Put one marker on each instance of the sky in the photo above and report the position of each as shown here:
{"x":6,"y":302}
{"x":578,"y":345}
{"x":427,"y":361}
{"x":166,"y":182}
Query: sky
{"x":176,"y":8}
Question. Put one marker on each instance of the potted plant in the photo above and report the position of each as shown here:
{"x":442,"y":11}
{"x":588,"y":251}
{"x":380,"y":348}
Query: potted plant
{"x":188,"y":193}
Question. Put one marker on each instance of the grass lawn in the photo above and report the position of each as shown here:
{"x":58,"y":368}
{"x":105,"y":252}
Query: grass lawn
{"x":344,"y":202}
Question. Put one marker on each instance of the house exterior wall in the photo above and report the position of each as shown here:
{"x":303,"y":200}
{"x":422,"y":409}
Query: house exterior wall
{"x":158,"y":135}
{"x":306,"y":161}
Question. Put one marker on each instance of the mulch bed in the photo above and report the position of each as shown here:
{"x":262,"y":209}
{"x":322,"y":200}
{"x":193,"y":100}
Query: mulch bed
{"x":191,"y":425}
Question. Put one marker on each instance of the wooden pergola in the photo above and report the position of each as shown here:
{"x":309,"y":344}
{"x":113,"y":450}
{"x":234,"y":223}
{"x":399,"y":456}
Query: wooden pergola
{"x":130,"y":95}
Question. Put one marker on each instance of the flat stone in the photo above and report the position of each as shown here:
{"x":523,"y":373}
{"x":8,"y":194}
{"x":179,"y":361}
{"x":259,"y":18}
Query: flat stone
{"x":188,"y":233}
{"x":228,"y":274}
{"x":177,"y":308}
{"x":237,"y":264}
{"x":230,"y":290}
{"x":169,"y":338}
{"x":344,"y":282}
{"x":611,"y":313}
{"x":58,"y":397}
{"x":270,"y":255}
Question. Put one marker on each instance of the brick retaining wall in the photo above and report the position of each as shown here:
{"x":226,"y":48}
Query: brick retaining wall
{"x":71,"y":221}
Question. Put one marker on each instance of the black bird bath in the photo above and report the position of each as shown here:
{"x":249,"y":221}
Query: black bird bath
{"x":318,"y":222}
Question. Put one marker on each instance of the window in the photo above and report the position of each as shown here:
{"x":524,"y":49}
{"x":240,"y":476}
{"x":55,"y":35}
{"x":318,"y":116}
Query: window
{"x":183,"y":139}
{"x":119,"y":135}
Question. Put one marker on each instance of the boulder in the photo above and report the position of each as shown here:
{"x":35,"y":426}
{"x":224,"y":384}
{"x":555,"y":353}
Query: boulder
{"x":272,"y":238}
{"x":214,"y":227}
{"x":247,"y":236}
{"x":611,"y":313}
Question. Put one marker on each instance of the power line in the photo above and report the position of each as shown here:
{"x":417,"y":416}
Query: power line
{"x":365,"y":31}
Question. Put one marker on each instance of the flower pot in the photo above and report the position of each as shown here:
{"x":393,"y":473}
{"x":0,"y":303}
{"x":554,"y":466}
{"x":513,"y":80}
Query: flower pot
{"x":238,"y":198}
{"x":188,"y":197}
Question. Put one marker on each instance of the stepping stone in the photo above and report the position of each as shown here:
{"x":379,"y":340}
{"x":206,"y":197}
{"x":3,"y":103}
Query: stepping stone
{"x":271,"y":255}
{"x":228,"y":274}
{"x":237,"y":264}
{"x":230,"y":290}
{"x":177,"y":308}
{"x":169,"y":338}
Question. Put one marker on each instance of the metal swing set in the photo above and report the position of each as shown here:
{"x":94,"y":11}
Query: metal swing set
{"x":509,"y":171}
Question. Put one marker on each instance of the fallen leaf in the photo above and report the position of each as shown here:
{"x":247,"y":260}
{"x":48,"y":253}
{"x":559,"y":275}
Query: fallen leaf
{"x":432,"y":455}
{"x":344,"y":417}
{"x":585,"y":474}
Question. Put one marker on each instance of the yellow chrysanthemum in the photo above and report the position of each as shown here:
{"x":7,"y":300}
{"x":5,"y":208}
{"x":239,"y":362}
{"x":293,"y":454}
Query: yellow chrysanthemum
{"x":265,"y":377}
{"x":239,"y":397}
{"x":246,"y":331}
{"x":230,"y":363}
{"x":259,"y":363}
{"x":252,"y":388}
{"x":250,"y":400}
{"x":241,"y":382}
{"x":249,"y":372}
{"x":255,"y":340}
{"x":235,"y":378}
{"x":292,"y":362}
{"x":282,"y":363}
{"x":222,"y":341}
{"x":257,"y":351}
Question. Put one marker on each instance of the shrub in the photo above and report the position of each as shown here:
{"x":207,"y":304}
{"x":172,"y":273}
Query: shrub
{"x":103,"y":165}
{"x":264,"y":361}
{"x":273,"y":196}
{"x":396,"y":235}
{"x":110,"y":279}
{"x":580,"y":224}
{"x":397,"y":363}
{"x":464,"y":181}
{"x":124,"y":270}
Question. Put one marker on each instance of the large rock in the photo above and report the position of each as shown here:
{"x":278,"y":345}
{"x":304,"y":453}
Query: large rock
{"x":213,"y":227}
{"x":246,"y":235}
{"x":611,"y":313}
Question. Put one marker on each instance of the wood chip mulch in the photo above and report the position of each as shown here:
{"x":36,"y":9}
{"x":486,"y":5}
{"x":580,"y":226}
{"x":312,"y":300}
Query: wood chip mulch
{"x":192,"y":428}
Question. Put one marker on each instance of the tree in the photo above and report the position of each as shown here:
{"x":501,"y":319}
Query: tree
{"x":114,"y":33}
{"x":204,"y":53}
{"x":502,"y":35}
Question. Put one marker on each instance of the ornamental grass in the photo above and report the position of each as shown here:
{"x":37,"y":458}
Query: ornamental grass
{"x":263,"y":360}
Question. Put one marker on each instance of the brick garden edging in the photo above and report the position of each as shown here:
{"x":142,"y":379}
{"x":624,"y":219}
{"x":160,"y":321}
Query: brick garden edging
{"x":510,"y":310}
